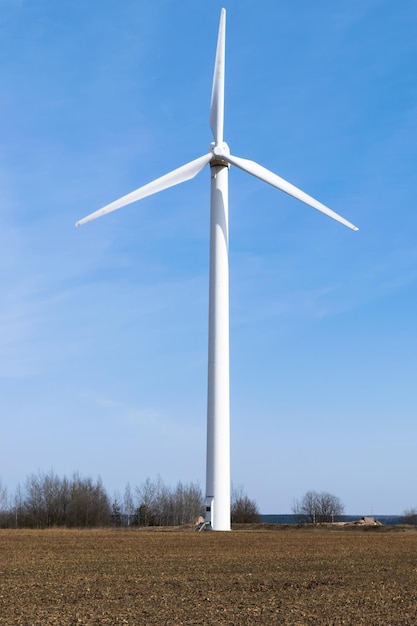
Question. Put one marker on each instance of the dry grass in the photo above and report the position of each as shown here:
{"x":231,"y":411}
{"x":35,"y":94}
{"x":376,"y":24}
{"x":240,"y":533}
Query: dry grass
{"x":242,"y":578}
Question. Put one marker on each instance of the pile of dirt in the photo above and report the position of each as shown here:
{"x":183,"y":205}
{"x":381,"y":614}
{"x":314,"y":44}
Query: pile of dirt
{"x":365,"y":521}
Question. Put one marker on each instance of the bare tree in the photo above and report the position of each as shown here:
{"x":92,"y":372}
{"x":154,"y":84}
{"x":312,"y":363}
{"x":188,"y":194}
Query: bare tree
{"x":4,"y":509}
{"x":18,"y":506}
{"x":128,"y":505}
{"x":160,"y":505}
{"x":193,"y":503}
{"x":3,"y":497}
{"x":317,"y":508}
{"x":146,"y":511}
{"x":116,"y":510}
{"x":243,"y":509}
{"x":306,"y":510}
{"x":89,"y":503}
{"x":34,"y":507}
{"x":187,"y":503}
{"x":410,"y":517}
{"x":55,"y":498}
{"x":51,"y":501}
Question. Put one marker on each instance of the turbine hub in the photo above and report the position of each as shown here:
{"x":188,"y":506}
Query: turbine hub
{"x":219,"y":151}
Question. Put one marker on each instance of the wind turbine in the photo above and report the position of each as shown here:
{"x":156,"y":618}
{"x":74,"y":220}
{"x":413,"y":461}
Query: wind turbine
{"x":220,"y":159}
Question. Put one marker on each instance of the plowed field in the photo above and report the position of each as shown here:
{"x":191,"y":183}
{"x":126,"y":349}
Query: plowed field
{"x":100,"y":577}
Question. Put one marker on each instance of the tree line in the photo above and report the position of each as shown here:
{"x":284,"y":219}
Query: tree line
{"x":46,"y":500}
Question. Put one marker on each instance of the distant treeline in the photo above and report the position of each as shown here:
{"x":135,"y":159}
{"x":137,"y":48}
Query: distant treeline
{"x":47,"y":500}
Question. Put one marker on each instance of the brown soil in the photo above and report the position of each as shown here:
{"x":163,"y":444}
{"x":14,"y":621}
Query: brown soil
{"x":241,"y":578}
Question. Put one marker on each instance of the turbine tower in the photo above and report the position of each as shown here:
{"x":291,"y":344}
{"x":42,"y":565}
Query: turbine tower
{"x":220,"y":159}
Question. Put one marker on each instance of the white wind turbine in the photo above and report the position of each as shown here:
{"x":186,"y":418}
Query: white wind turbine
{"x":220,"y":159}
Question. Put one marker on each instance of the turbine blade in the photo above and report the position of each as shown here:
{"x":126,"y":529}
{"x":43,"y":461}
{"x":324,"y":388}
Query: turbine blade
{"x":217,"y":93}
{"x":180,"y":175}
{"x":276,"y":181}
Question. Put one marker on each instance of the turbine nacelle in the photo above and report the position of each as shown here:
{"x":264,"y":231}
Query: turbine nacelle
{"x":220,"y":152}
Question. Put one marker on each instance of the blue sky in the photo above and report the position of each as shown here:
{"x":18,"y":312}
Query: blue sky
{"x":103,"y":329}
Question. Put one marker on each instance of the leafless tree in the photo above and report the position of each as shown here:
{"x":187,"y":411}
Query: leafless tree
{"x":3,"y":497}
{"x":410,"y":516}
{"x":48,"y":500}
{"x":35,"y":512}
{"x":244,"y":510}
{"x":128,"y":505}
{"x":4,"y":512}
{"x":89,"y":503}
{"x":18,"y":507}
{"x":188,"y":503}
{"x":316,"y":508}
{"x":193,"y":503}
{"x":116,"y":510}
{"x":160,"y":505}
{"x":146,"y":510}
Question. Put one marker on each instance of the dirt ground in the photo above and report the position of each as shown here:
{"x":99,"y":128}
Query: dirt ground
{"x":101,"y":577}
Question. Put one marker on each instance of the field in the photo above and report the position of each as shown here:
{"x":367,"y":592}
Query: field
{"x":136,"y":577}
